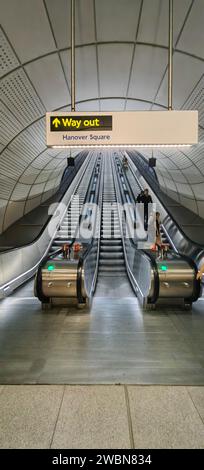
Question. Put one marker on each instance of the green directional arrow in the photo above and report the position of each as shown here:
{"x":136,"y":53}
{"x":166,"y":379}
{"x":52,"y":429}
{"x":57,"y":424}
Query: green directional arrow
{"x":56,"y":122}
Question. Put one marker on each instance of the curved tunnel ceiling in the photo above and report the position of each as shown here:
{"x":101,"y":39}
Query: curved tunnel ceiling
{"x":121,"y":64}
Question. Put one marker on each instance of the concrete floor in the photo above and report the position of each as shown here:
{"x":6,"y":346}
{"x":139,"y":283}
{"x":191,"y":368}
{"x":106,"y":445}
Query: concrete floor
{"x":114,"y":343}
{"x":103,"y":416}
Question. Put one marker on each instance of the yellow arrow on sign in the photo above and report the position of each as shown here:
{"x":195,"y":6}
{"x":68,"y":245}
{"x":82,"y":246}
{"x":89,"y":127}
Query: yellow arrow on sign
{"x":56,"y":122}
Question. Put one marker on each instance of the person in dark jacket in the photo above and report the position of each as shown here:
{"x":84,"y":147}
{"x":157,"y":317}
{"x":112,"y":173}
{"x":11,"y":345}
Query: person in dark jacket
{"x":125,"y":162}
{"x":146,"y":199}
{"x":139,"y":197}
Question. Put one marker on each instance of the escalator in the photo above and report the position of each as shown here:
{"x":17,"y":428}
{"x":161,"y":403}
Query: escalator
{"x":112,"y":277}
{"x":58,"y":279}
{"x":102,"y":260}
{"x":170,"y":281}
{"x":111,"y":261}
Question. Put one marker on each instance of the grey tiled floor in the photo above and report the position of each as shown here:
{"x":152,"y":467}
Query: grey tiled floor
{"x":101,"y":416}
{"x":113,"y":342}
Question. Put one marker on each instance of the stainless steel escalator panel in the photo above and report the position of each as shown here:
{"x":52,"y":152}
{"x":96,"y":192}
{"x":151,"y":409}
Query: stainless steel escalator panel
{"x":176,"y":279}
{"x":61,"y":281}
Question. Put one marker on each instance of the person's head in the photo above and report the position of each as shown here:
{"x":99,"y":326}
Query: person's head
{"x":146,"y":192}
{"x":157,"y":215}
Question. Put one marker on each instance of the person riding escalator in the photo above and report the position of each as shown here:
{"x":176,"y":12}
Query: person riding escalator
{"x":125,"y":162}
{"x":146,"y":199}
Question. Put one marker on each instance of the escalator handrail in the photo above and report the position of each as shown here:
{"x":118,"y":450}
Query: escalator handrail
{"x":85,"y":255}
{"x":147,"y":168}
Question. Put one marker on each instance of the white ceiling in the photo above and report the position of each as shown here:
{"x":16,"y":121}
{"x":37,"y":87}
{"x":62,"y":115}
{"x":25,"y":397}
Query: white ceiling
{"x":121,"y":62}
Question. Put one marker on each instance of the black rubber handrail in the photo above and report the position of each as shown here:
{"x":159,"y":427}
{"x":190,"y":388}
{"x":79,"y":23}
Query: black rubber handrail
{"x":80,"y":298}
{"x":149,"y":170}
{"x":83,"y":257}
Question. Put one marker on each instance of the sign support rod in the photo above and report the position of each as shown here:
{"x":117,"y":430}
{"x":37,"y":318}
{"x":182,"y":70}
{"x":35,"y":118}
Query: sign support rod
{"x":170,"y":55}
{"x":73,"y":55}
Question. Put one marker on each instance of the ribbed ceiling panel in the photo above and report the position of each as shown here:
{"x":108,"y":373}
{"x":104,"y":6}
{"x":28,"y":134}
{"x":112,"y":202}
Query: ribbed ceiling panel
{"x":8,"y":59}
{"x":9,"y":125}
{"x":18,"y":94}
{"x":121,"y":59}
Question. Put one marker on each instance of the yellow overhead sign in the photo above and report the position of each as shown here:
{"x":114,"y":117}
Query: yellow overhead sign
{"x":80,"y":123}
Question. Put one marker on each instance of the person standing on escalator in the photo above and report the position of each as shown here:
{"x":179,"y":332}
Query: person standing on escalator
{"x":160,"y":246}
{"x":125,"y":163}
{"x":146,"y":199}
{"x":158,"y":241}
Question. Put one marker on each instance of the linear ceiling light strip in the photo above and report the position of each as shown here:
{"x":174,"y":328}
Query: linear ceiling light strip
{"x":122,"y":146}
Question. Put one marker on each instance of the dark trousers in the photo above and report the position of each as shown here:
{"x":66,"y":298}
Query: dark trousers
{"x":146,"y":217}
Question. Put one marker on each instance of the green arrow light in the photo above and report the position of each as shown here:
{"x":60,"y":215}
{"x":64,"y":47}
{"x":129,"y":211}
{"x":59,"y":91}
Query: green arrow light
{"x":51,"y":267}
{"x":163,"y":267}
